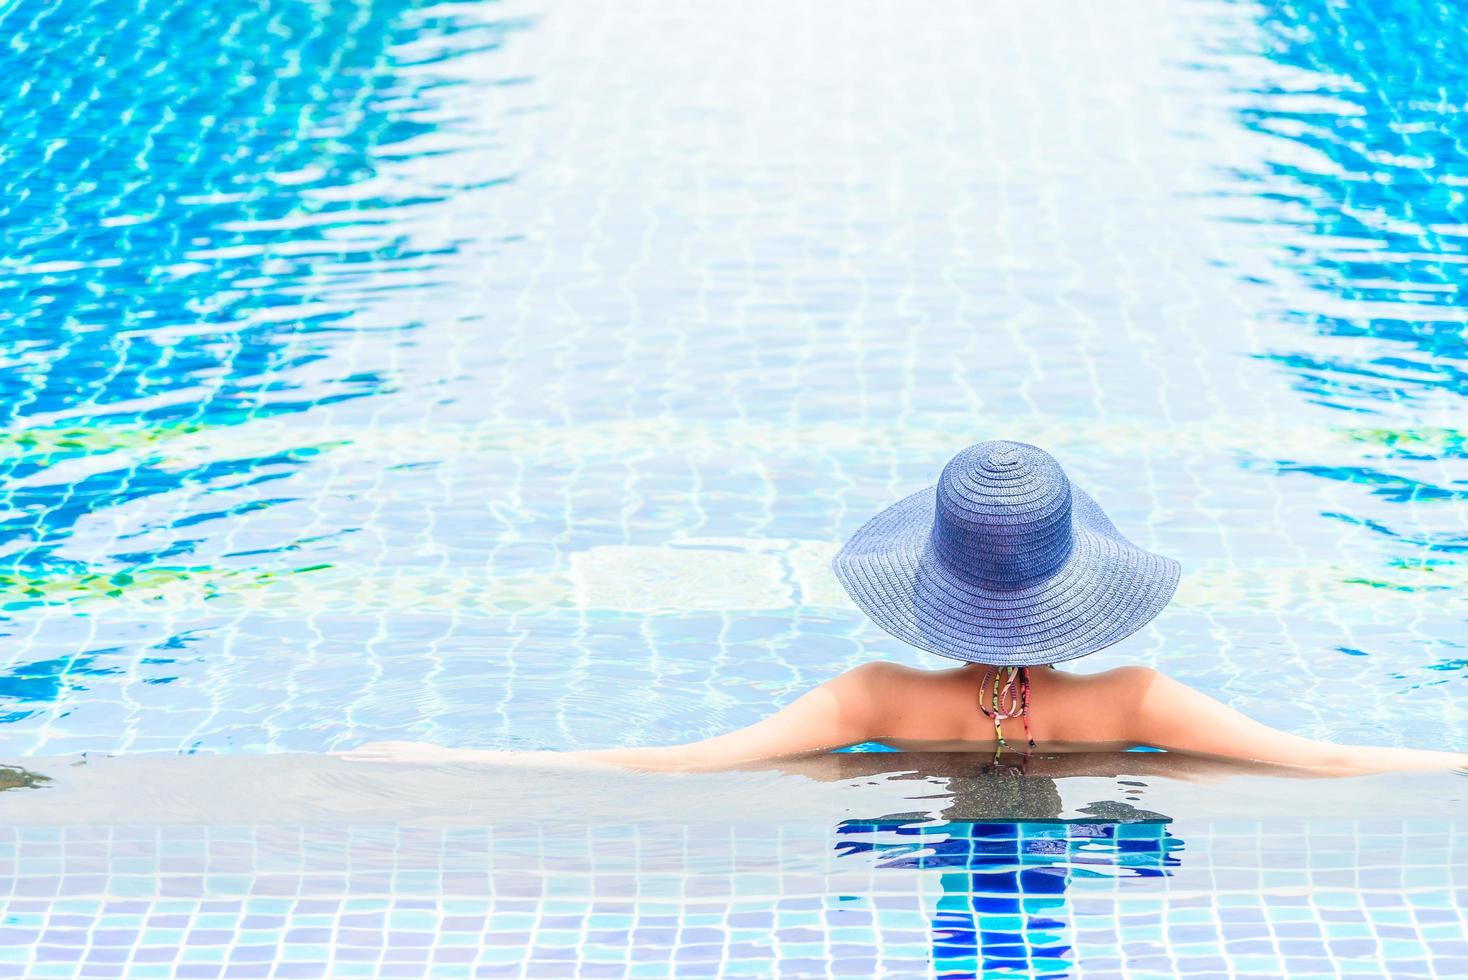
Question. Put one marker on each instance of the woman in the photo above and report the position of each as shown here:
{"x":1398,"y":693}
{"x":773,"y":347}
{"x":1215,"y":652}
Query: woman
{"x":1006,"y":566}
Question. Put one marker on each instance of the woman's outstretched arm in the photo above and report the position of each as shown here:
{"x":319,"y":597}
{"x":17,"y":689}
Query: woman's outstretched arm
{"x":1170,"y":715}
{"x":843,"y":711}
{"x":1128,"y":705}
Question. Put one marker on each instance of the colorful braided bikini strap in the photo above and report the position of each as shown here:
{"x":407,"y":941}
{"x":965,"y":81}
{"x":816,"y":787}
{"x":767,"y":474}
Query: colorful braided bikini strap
{"x":1008,"y":690}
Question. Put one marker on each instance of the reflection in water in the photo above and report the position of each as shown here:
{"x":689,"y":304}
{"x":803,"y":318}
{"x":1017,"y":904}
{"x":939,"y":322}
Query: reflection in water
{"x":14,"y":777}
{"x":406,"y":356}
{"x":1006,"y":858}
{"x":193,"y":256}
{"x":1357,"y":193}
{"x":1368,"y":181}
{"x":210,"y":215}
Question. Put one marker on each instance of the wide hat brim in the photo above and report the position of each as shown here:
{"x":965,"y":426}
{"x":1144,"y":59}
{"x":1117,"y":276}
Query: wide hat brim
{"x":1106,"y":589}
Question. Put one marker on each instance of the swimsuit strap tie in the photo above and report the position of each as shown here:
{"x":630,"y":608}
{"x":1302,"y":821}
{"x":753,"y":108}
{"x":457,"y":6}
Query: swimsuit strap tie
{"x":1008,"y":691}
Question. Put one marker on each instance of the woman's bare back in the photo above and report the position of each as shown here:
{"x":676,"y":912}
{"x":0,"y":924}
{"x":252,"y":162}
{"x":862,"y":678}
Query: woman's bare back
{"x":939,"y":710}
{"x":1125,"y":707}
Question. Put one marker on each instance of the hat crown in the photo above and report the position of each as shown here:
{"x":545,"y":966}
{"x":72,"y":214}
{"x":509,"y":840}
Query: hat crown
{"x":1003,"y":515}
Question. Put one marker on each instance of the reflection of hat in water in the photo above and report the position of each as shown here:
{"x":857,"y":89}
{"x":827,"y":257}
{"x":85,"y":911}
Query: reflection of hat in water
{"x":999,"y":793}
{"x":1006,"y":794}
{"x":1004,"y":562}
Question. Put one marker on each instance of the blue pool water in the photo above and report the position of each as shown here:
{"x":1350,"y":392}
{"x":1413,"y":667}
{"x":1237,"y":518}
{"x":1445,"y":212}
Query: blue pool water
{"x":429,"y":372}
{"x":506,"y":375}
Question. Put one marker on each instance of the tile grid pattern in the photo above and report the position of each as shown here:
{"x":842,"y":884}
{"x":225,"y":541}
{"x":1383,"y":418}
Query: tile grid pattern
{"x":1366,"y":898}
{"x":461,"y":365}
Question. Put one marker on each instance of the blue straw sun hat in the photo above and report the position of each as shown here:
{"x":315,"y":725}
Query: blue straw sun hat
{"x":1004,"y":562}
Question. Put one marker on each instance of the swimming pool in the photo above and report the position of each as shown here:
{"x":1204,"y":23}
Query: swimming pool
{"x":507,"y":375}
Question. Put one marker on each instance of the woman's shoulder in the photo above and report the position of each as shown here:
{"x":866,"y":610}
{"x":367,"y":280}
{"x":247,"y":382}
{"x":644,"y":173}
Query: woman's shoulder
{"x":885,"y":683}
{"x":1125,"y":674}
{"x":886,"y":672}
{"x":881,"y":680}
{"x":1099,"y":707}
{"x":1131,"y":679}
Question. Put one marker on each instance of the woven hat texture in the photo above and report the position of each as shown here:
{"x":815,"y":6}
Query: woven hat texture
{"x":1004,"y":562}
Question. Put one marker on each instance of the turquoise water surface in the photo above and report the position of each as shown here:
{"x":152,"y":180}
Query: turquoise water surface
{"x":397,"y":370}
